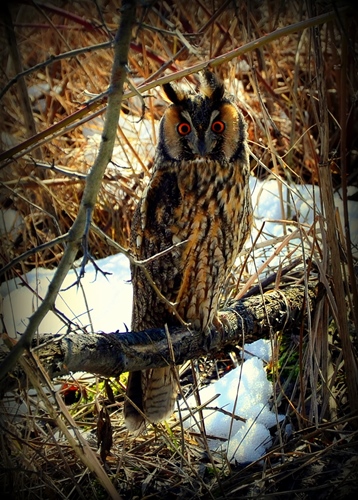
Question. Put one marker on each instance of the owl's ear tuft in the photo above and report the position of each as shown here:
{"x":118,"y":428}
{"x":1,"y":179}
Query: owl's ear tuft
{"x":174,"y":93}
{"x":211,"y":86}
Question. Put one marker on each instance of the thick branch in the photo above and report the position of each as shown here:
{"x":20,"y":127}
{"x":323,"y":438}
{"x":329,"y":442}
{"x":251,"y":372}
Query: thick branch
{"x":110,"y":354}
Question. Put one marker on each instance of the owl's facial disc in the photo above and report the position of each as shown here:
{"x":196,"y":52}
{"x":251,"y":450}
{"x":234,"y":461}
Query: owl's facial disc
{"x":200,"y":128}
{"x":198,"y":135}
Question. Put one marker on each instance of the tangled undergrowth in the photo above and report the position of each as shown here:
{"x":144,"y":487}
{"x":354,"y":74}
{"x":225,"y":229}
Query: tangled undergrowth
{"x":51,"y":129}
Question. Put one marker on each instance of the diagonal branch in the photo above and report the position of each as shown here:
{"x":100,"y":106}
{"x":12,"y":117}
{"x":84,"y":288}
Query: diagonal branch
{"x":93,"y":183}
{"x":18,"y":151}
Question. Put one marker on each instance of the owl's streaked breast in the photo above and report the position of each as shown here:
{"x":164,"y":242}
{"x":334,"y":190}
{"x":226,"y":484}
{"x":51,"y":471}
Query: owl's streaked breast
{"x":211,"y":218}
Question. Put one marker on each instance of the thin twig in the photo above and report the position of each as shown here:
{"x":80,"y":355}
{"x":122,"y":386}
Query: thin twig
{"x":33,"y":251}
{"x":53,"y":59}
{"x":217,"y":61}
{"x":93,"y":183}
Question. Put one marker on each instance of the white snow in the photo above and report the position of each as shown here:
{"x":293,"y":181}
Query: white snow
{"x":245,"y":393}
{"x":101,"y":303}
{"x":104,"y":303}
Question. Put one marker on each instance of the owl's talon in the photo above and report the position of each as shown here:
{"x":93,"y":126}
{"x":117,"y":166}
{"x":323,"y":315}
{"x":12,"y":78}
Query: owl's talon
{"x":218,"y":324}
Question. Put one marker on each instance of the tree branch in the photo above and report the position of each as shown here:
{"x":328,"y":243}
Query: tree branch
{"x":110,"y":354}
{"x":93,"y":183}
{"x":26,"y":146}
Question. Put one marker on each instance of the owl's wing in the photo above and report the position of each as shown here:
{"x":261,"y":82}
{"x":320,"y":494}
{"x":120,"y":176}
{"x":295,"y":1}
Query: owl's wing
{"x":151,"y":234}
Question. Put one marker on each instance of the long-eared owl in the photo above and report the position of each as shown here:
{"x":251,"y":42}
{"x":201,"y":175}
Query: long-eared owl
{"x":198,"y":204}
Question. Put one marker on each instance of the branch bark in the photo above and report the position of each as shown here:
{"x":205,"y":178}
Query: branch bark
{"x":110,"y":354}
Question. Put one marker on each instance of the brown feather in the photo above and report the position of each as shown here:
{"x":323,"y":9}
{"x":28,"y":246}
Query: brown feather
{"x":202,"y":201}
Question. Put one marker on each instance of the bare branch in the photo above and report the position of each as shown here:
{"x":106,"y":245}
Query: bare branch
{"x":33,"y":251}
{"x":18,"y":151}
{"x":53,"y":59}
{"x":110,"y":354}
{"x":93,"y":183}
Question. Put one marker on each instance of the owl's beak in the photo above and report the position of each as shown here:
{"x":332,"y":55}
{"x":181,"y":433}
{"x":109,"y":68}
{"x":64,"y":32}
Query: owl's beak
{"x":200,"y":147}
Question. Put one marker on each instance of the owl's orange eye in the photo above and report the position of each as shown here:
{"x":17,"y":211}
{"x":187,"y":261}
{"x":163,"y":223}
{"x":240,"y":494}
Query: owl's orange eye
{"x":184,"y":128}
{"x":218,"y":126}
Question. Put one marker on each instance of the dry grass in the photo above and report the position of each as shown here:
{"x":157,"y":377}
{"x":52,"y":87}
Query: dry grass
{"x":278,"y":85}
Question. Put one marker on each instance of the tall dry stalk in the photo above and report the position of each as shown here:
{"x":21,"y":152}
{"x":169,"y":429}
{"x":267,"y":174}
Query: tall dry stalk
{"x":334,"y":256}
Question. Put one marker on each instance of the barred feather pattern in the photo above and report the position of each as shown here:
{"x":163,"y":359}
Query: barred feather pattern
{"x":197,"y":204}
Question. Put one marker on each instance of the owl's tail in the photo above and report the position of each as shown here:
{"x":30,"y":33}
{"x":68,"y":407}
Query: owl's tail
{"x":154,"y":393}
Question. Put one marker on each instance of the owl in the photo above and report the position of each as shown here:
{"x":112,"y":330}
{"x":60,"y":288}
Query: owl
{"x":191,"y":221}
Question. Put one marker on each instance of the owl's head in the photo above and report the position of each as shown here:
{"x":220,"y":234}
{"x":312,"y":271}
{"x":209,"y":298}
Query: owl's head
{"x":206,"y":124}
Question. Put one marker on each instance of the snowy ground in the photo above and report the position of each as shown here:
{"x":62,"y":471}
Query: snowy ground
{"x":104,"y":304}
